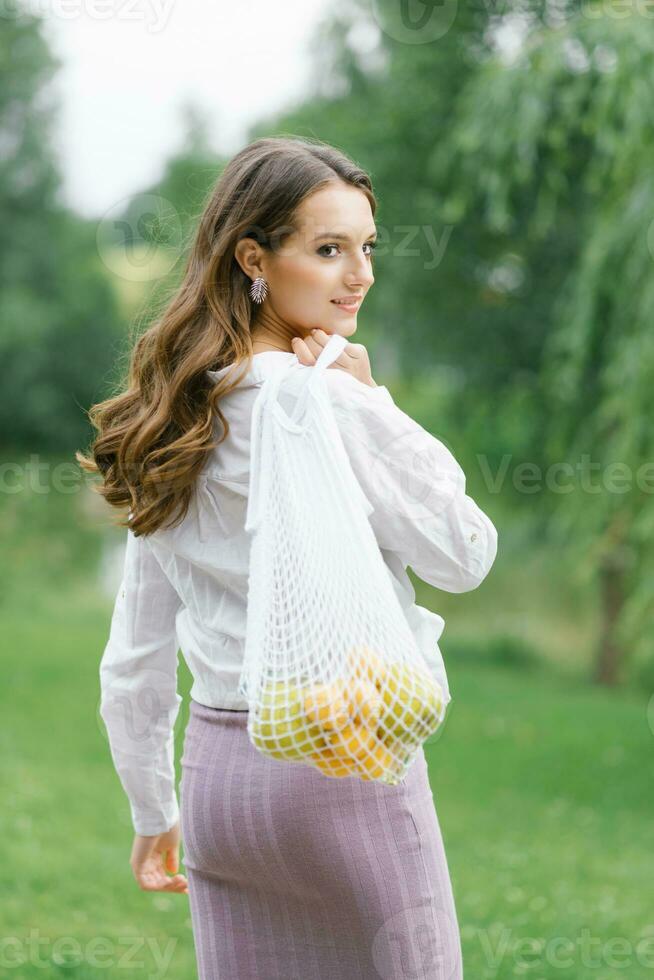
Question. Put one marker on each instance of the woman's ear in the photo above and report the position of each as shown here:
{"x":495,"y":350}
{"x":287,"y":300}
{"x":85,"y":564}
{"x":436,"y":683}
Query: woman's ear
{"x":248,"y":255}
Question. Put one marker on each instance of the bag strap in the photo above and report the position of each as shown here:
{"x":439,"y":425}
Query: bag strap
{"x":332,"y":349}
{"x":260,"y":465}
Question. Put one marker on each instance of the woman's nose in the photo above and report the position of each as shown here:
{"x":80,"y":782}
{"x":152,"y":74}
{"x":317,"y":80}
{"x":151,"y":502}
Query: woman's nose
{"x":362,"y":275}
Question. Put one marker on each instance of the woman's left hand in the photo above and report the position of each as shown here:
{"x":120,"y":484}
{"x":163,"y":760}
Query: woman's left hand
{"x":153,"y":857}
{"x":353,"y":358}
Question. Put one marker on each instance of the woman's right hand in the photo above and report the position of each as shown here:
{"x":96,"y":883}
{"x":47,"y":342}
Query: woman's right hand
{"x":353,"y":358}
{"x":155,"y":859}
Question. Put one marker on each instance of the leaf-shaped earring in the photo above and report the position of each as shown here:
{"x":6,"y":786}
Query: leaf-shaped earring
{"x":259,"y":290}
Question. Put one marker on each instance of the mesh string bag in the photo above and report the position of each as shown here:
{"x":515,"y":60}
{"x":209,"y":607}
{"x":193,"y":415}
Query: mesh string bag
{"x":332,"y":673}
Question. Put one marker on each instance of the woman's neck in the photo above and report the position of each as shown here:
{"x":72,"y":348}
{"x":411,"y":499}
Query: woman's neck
{"x":270,"y":334}
{"x":259,"y":346}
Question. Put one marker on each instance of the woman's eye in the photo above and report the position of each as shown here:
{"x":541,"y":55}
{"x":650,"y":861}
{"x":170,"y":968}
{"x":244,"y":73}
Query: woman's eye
{"x":371,"y":245}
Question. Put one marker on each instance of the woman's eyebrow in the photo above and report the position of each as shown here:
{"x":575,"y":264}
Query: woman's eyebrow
{"x":338,"y":237}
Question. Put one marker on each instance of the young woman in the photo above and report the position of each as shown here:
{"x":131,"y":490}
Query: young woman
{"x":291,"y":873}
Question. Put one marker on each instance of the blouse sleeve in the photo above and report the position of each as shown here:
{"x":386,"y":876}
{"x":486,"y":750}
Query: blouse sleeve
{"x":416,"y":487}
{"x":138,"y":681}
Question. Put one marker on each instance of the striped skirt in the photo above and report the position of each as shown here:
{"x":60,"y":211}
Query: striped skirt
{"x":294,"y":875}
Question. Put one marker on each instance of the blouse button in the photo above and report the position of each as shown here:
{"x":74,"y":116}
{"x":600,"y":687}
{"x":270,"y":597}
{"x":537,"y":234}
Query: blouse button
{"x":473,"y":537}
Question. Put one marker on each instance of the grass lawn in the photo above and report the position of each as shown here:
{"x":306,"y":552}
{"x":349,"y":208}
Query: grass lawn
{"x":542,"y":786}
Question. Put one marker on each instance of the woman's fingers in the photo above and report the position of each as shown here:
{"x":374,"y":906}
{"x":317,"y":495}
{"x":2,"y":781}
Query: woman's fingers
{"x":153,"y":857}
{"x":177,"y":884}
{"x":162,"y":883}
{"x":172,"y":859}
{"x":152,"y":877}
{"x":302,"y":351}
{"x":309,"y":348}
{"x":353,"y":358}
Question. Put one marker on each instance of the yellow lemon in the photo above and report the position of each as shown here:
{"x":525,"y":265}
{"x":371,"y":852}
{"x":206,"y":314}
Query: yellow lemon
{"x":412,"y":704}
{"x":325,"y":704}
{"x":379,"y":763}
{"x":353,"y":740}
{"x":333,"y":765}
{"x":364,"y":662}
{"x":292,"y":739}
{"x":365,"y":701}
{"x":279,"y":701}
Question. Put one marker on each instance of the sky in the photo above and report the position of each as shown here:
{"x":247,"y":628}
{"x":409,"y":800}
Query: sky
{"x":128,"y":66}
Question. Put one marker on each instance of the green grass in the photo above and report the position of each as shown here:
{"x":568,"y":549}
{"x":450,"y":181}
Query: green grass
{"x":542,"y":787}
{"x":543,"y":791}
{"x":542,"y":782}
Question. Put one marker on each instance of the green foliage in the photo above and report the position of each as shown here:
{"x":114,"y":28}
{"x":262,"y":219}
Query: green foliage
{"x":499,"y":649}
{"x":166,"y":213}
{"x":561,"y":135}
{"x":57,"y":309}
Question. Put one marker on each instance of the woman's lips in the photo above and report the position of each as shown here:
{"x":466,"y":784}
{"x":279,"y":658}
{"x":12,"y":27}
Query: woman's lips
{"x":348,"y":307}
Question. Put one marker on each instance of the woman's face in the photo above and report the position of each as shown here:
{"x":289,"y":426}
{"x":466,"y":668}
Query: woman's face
{"x":328,"y":257}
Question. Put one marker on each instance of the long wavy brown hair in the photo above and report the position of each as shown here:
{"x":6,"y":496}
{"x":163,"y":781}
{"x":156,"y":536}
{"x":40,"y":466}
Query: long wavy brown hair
{"x":153,"y":436}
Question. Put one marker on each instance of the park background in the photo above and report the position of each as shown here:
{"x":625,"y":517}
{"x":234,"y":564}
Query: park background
{"x":510,"y":148}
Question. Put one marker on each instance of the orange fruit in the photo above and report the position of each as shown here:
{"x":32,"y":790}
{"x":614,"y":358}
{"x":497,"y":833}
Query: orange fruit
{"x":379,"y":763}
{"x":325,"y":704}
{"x":365,"y":701}
{"x":333,"y":765}
{"x":353,"y":740}
{"x":367,"y":664}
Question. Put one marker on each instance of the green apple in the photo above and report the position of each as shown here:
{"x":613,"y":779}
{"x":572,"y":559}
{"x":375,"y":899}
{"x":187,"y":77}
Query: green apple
{"x":293,"y":739}
{"x":411,"y":705}
{"x":280,"y":701}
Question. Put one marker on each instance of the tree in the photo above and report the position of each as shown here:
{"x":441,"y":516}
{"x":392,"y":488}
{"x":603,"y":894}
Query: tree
{"x":58,"y":317}
{"x":554,"y":151}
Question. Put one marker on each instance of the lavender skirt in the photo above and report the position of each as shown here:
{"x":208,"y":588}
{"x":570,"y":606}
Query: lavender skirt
{"x":294,"y":875}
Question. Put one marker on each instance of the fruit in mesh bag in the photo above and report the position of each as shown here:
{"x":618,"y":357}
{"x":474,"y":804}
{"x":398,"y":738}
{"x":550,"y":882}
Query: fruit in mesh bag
{"x":364,"y":702}
{"x":331,"y":764}
{"x":279,"y":701}
{"x":412,"y":705}
{"x":365,"y":664}
{"x":379,"y":764}
{"x":353,"y":741}
{"x":326,"y":705}
{"x":281,"y":729}
{"x":358,"y":741}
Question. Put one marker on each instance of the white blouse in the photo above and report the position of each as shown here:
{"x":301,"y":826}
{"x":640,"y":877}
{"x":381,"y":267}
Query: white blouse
{"x":186,"y":587}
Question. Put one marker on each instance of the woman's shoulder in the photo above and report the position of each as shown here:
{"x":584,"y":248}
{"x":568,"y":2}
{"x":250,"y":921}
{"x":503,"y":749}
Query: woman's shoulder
{"x":353,"y":399}
{"x":344,"y":385}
